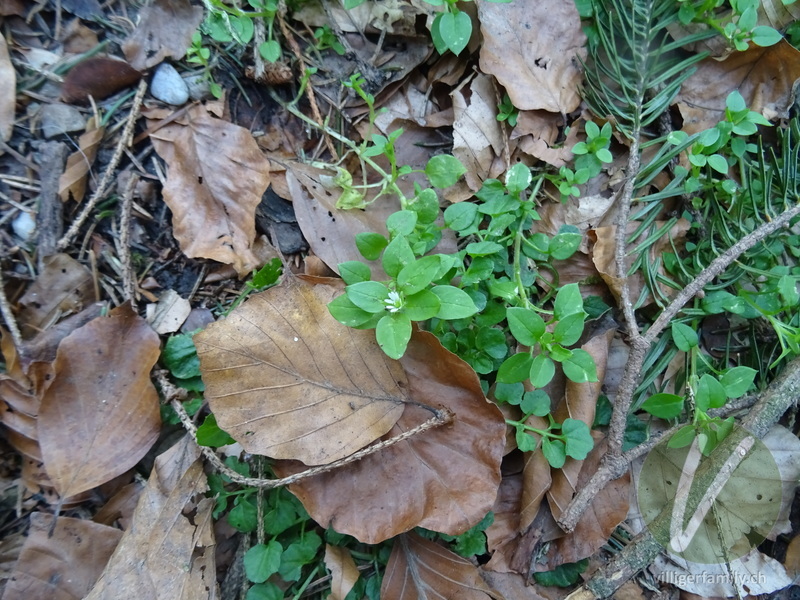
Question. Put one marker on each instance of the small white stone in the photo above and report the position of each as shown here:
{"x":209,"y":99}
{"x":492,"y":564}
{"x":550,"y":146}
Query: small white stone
{"x":168,"y":86}
{"x":24,"y":225}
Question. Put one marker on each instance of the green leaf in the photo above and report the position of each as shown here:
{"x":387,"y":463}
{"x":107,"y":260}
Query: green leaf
{"x":401,"y":222}
{"x":243,"y":516}
{"x":368,"y":295}
{"x":418,"y":275}
{"x":709,"y":393}
{"x":515,"y":368}
{"x":268,"y":274}
{"x":422,"y":306}
{"x":264,"y":591}
{"x":492,"y":341}
{"x":347,"y":313}
{"x":682,"y":438}
{"x":436,"y":34}
{"x":483,"y":248}
{"x":685,"y":337}
{"x":209,"y":434}
{"x":242,"y":28}
{"x":565,"y":243}
{"x":580,"y":367}
{"x":787,"y":287}
{"x":473,"y":541}
{"x":426,"y":205}
{"x":397,"y":255}
{"x":765,"y":36}
{"x":180,"y":357}
{"x":370,"y":244}
{"x":518,"y":178}
{"x":508,"y":393}
{"x":455,"y":29}
{"x":569,"y":329}
{"x":737,"y":381}
{"x":554,"y":451}
{"x":444,"y":170}
{"x":718,"y":163}
{"x":735,"y":101}
{"x":393,"y":333}
{"x":460,"y":216}
{"x":562,"y":576}
{"x":354,"y":271}
{"x":262,"y":560}
{"x":536,"y":403}
{"x":568,"y":301}
{"x":455,"y":303}
{"x":348,"y":4}
{"x":525,"y":441}
{"x":664,"y":406}
{"x":525,"y":324}
{"x":579,"y":439}
{"x":541,"y":371}
{"x":299,"y":554}
{"x":270,"y":51}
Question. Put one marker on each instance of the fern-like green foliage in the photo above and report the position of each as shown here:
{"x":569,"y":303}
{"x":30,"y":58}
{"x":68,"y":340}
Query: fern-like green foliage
{"x":634,"y":67}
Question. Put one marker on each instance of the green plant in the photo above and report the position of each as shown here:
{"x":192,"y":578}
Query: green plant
{"x":506,"y":111}
{"x":199,"y":54}
{"x":225,"y":23}
{"x":739,"y":25}
{"x":326,"y":38}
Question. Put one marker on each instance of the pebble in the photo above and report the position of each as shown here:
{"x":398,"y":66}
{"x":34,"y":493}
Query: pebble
{"x":199,"y":87}
{"x":168,"y":86}
{"x":24,"y":226}
{"x":57,"y":119}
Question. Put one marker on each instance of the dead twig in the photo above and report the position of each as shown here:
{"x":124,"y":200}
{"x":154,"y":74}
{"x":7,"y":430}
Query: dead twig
{"x":8,"y":315}
{"x":102,"y":187}
{"x":124,"y":249}
{"x":50,"y":220}
{"x":615,"y":464}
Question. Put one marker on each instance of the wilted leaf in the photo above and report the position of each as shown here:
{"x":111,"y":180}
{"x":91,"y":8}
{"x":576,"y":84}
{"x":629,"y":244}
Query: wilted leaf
{"x":533,"y":49}
{"x":164,"y":31}
{"x":764,"y":76}
{"x":444,"y":479}
{"x":287,"y":380}
{"x":72,"y":183}
{"x":343,"y":569}
{"x":101,"y":413}
{"x":420,"y":568}
{"x":537,"y":133}
{"x":8,"y":92}
{"x":64,"y":286}
{"x":64,"y":565}
{"x":168,"y":552}
{"x":98,"y":77}
{"x":215,"y":181}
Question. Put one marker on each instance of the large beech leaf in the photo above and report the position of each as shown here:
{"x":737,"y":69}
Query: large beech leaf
{"x":444,"y":479}
{"x":420,"y":568}
{"x":168,"y":551}
{"x":287,"y":380}
{"x":101,"y":413}
{"x":215,"y":181}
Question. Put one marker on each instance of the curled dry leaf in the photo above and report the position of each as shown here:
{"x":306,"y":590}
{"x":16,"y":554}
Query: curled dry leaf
{"x":764,"y":76}
{"x":98,"y":77}
{"x":533,"y":49}
{"x":101,"y":413}
{"x":164,"y":31}
{"x":64,"y":286}
{"x":8,"y":91}
{"x":168,"y":552}
{"x":215,"y":181}
{"x":343,"y":569}
{"x":62,"y":564}
{"x":72,"y":183}
{"x":444,"y":479}
{"x":288,"y":381}
{"x":420,"y":568}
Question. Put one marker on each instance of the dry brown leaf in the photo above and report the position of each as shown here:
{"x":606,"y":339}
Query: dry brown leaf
{"x":532,"y":48}
{"x":343,"y":569}
{"x":64,"y":286}
{"x":72,"y":183}
{"x":8,"y":91}
{"x":444,"y":479}
{"x":101,"y":413}
{"x":98,"y":77}
{"x":288,"y":381}
{"x":330,"y":232}
{"x":420,"y":568}
{"x":215,"y":181}
{"x":537,"y":134}
{"x":513,"y":586}
{"x":505,"y":528}
{"x":536,"y":480}
{"x":164,"y":31}
{"x":478,"y":138}
{"x":764,"y":76}
{"x":168,"y":552}
{"x":64,"y":565}
{"x":777,"y":14}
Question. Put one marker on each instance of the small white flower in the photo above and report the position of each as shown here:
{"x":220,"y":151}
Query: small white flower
{"x":394,"y":302}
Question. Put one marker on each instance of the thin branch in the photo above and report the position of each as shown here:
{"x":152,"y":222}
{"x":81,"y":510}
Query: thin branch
{"x":8,"y":315}
{"x":102,"y":187}
{"x":124,"y":250}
